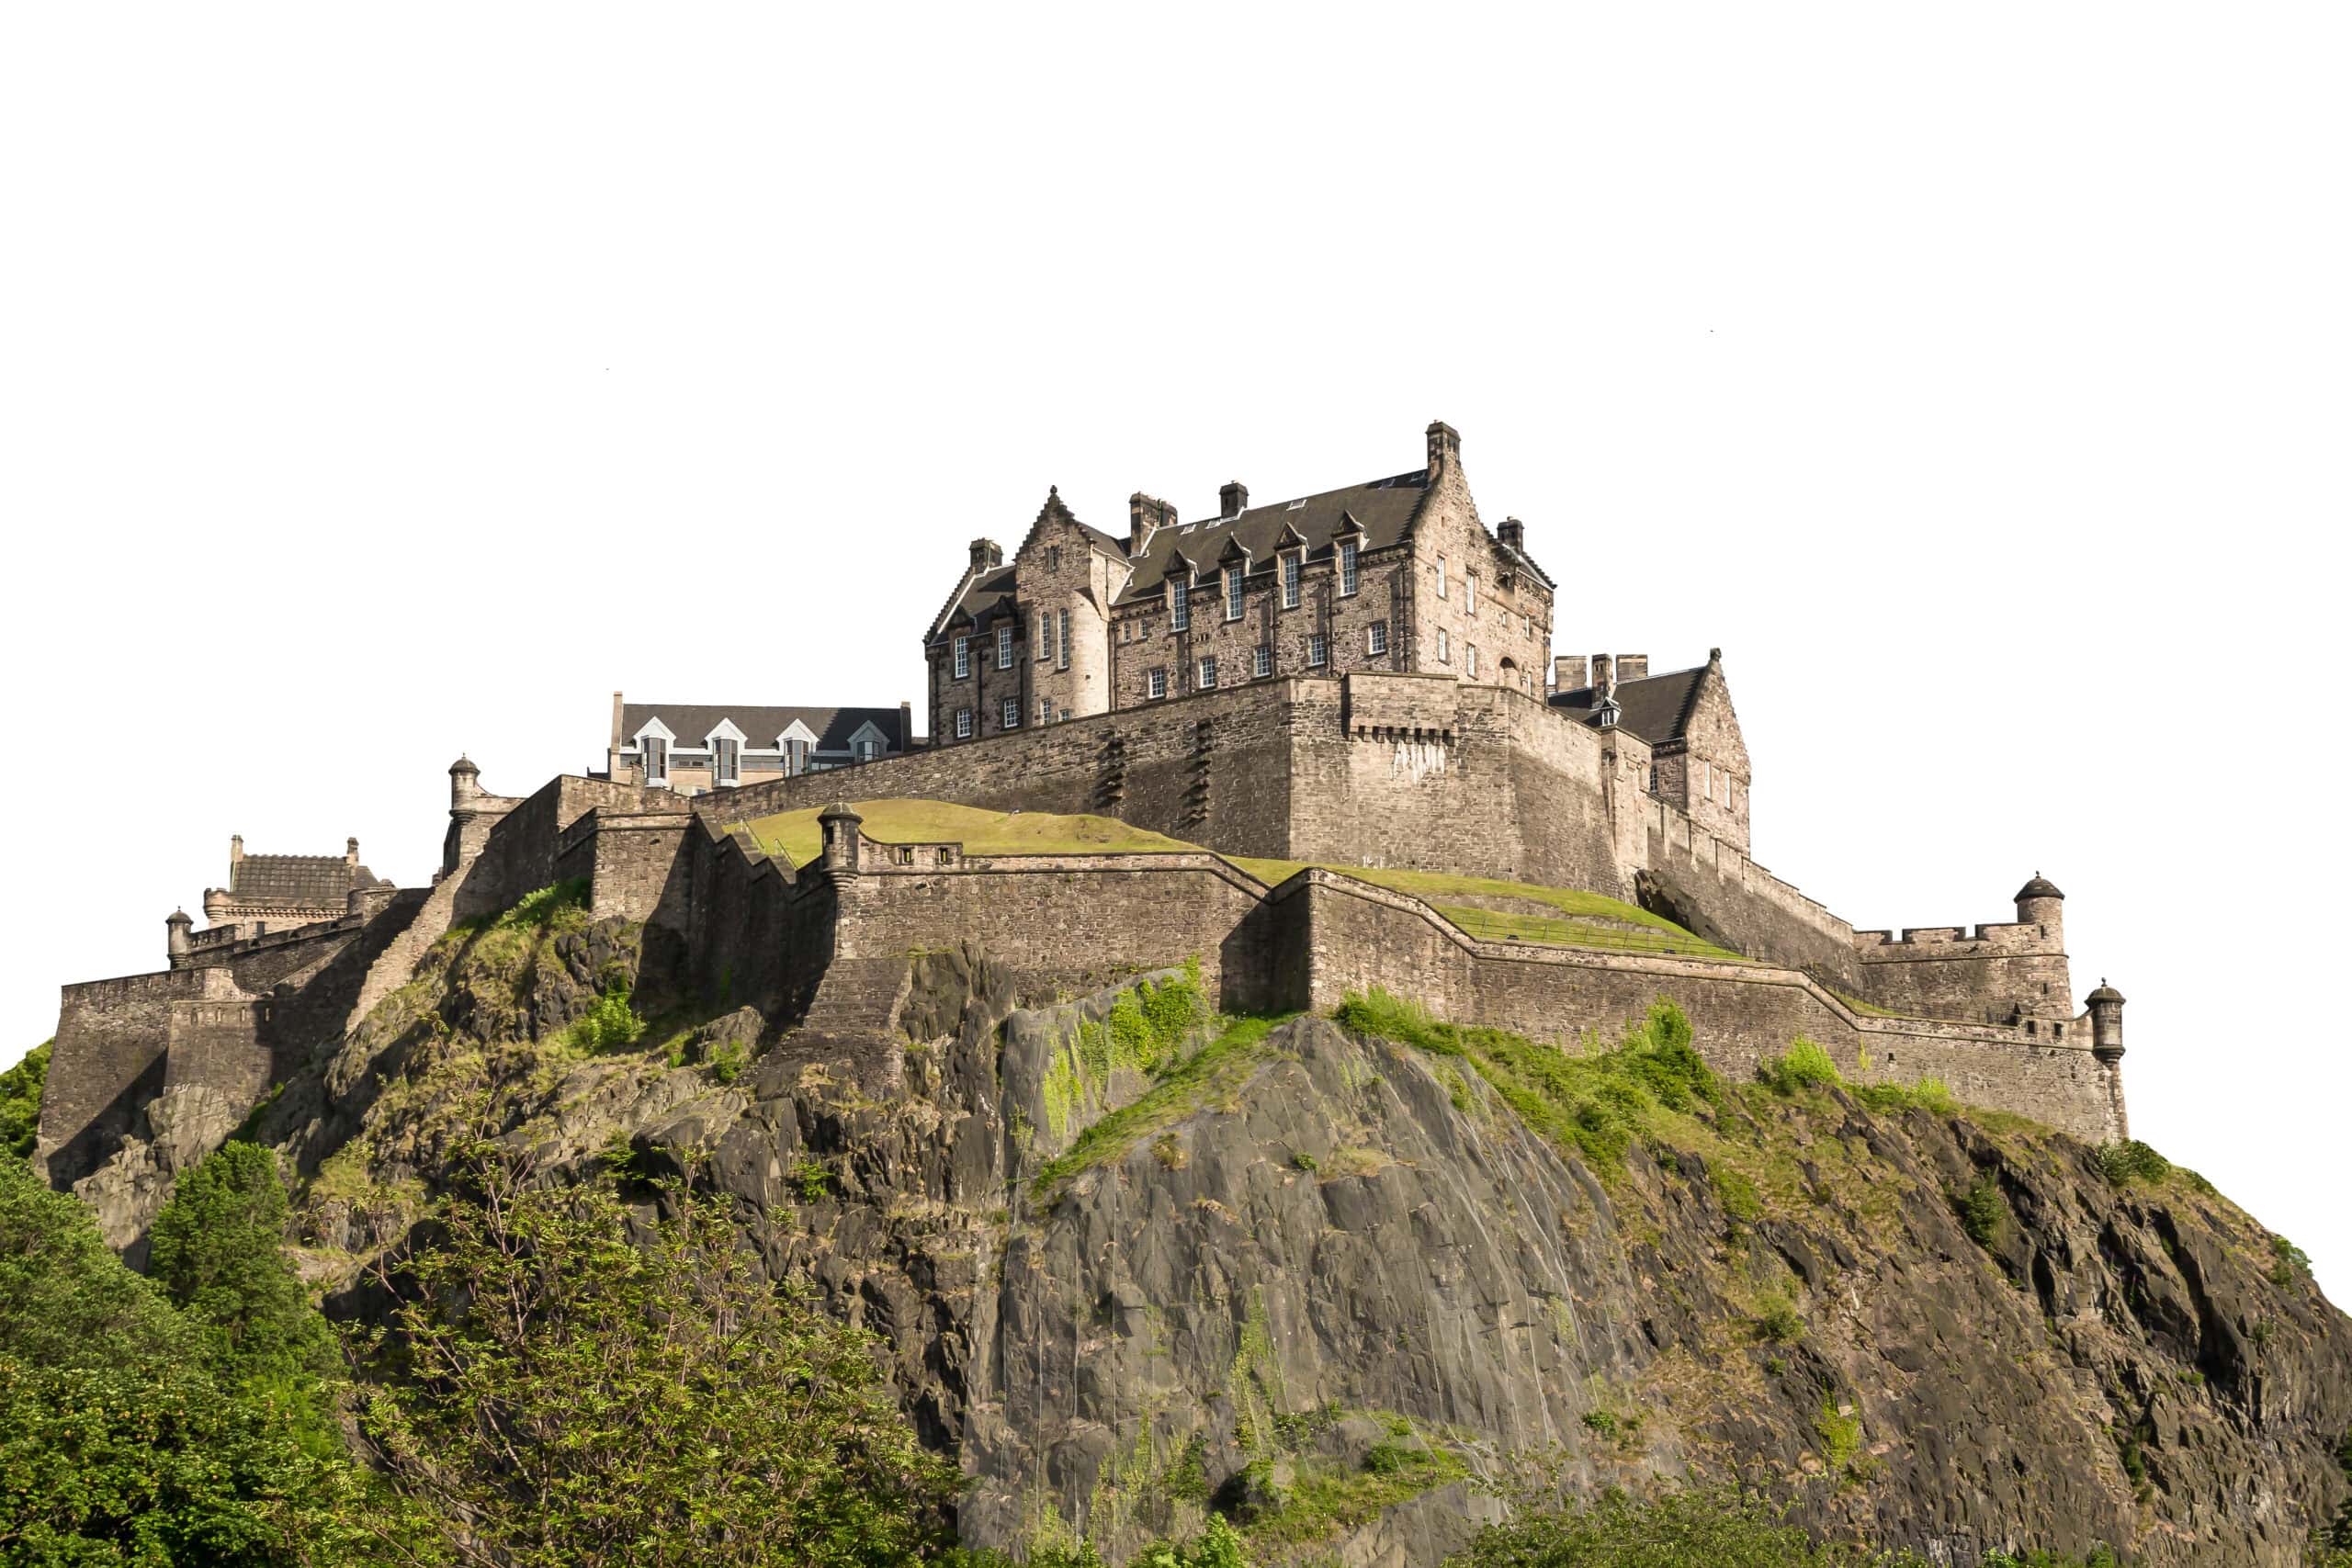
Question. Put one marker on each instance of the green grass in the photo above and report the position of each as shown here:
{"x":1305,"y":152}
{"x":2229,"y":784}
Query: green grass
{"x":795,"y":836}
{"x":1567,"y":930}
{"x":1212,"y":1075}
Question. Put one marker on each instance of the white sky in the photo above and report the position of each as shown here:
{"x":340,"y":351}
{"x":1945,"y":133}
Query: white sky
{"x":379,"y":384}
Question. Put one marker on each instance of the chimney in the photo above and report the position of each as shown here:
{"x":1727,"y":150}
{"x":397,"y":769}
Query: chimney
{"x":906,"y":728}
{"x":1604,"y":678}
{"x":1147,"y":515}
{"x":351,"y":853}
{"x":236,"y":855}
{"x":1513,"y":534}
{"x":616,"y":724}
{"x":1232,"y":499}
{"x":1570,"y":673}
{"x":987,"y":555}
{"x":1633,"y":667}
{"x":1446,"y":446}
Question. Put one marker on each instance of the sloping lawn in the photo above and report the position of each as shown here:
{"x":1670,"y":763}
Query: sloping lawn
{"x":794,"y":834}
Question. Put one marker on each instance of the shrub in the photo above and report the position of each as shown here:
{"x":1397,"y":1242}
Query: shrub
{"x":1302,"y":1160}
{"x":1778,"y":1320}
{"x":1932,"y":1095}
{"x":813,"y":1179}
{"x":1719,"y":1526}
{"x":20,"y":1091}
{"x":2130,"y":1160}
{"x":1840,"y":1428}
{"x":217,"y":1249}
{"x":728,"y":1059}
{"x":1984,"y":1211}
{"x":612,"y":1022}
{"x":1803,"y":1063}
{"x":2290,"y":1264}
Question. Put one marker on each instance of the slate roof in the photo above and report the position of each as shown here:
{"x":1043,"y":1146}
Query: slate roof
{"x":304,"y":881}
{"x":692,"y":722}
{"x":1656,"y":707}
{"x":1382,"y":508}
{"x":993,"y":592}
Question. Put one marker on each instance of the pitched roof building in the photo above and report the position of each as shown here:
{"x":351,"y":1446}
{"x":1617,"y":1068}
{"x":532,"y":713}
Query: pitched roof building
{"x":1395,"y":573}
{"x":1698,"y":760}
{"x":267,"y":893}
{"x":695,"y":747}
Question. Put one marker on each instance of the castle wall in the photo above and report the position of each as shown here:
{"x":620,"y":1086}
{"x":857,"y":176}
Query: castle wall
{"x":1356,"y":936}
{"x":2001,"y":972}
{"x":760,"y":935}
{"x":221,"y":1045}
{"x":1713,"y":888}
{"x":112,"y":1039}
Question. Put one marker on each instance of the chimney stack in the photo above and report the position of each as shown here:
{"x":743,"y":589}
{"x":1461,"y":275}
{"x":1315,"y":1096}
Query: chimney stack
{"x":351,"y":853}
{"x":1232,"y":499}
{"x":1633,"y":667}
{"x":1570,"y":673}
{"x":1604,"y":678}
{"x":906,"y":728}
{"x":616,"y":724}
{"x":1513,"y":533}
{"x":1446,"y":446}
{"x":987,"y":555}
{"x":236,"y":855}
{"x":1147,"y":515}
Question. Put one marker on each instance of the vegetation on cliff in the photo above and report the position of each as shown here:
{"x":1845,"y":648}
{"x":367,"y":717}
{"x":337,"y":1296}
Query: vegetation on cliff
{"x":20,"y":1088}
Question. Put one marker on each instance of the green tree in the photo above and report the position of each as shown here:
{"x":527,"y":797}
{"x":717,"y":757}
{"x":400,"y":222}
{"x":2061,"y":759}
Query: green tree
{"x":569,"y":1384}
{"x":20,"y":1088}
{"x":1723,"y":1527}
{"x":217,"y":1250}
{"x":117,"y":1445}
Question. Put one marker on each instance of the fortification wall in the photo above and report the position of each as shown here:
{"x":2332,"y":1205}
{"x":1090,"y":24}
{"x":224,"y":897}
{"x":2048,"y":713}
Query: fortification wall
{"x":112,"y":1038}
{"x":1074,"y":922}
{"x":1715,"y":890}
{"x":2000,"y":972}
{"x":759,"y":934}
{"x":1355,"y":936}
{"x":220,"y":1045}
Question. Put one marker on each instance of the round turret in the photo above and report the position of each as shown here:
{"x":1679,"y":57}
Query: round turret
{"x":2107,"y":1021}
{"x":840,"y":824}
{"x":175,"y":929}
{"x":465,"y":783}
{"x":2041,"y":904}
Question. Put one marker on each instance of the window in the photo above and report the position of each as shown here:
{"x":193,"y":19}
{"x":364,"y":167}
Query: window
{"x":1010,"y":715}
{"x":1347,"y":568}
{"x":1180,"y":610}
{"x":1319,"y":650}
{"x":1375,"y":639}
{"x":963,"y":724}
{"x":723,"y":759}
{"x":657,"y":759}
{"x":1053,"y":558}
{"x":1290,"y":580}
{"x":963,"y":657}
{"x":1045,"y":711}
{"x":796,"y":757}
{"x":1470,"y":660}
{"x":1443,"y":655}
{"x":1004,"y":648}
{"x":1041,"y":645}
{"x":1441,"y":577}
{"x":1155,"y":683}
{"x":1208,"y":672}
{"x":1143,"y":629}
{"x":906,"y":854}
{"x":1469,"y":592}
{"x":1261,"y":663}
{"x":1061,"y":641}
{"x":868,"y":750}
{"x":1233,"y":593}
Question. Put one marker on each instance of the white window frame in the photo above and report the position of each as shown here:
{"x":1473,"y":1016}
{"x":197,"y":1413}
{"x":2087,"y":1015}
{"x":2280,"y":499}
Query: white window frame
{"x":1470,"y":660}
{"x":657,"y":732}
{"x":1180,"y":605}
{"x":1441,"y":577}
{"x":1375,"y":639}
{"x":1319,"y":650}
{"x":1349,"y":569}
{"x":1293,"y":577}
{"x":1009,"y":713}
{"x":962,"y":659}
{"x":1261,"y":663}
{"x":1061,"y":639}
{"x":963,"y":724}
{"x":1044,"y":710}
{"x":1155,"y":684}
{"x":1469,"y":592}
{"x":1444,"y":654}
{"x":1204,"y":673}
{"x":1233,"y":596}
{"x":1004,"y":646}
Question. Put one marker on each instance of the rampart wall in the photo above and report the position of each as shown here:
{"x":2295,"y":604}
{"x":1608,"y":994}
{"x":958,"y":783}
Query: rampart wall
{"x":1997,"y":974}
{"x":113,"y":1037}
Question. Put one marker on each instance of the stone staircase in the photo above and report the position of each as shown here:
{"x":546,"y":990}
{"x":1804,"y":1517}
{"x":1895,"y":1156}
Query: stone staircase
{"x":859,"y":997}
{"x":392,"y":966}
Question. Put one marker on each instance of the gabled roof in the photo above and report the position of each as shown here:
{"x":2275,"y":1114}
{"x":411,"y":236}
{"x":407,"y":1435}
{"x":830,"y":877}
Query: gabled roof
{"x":311,"y":882}
{"x":1384,"y":508}
{"x":1656,"y":707}
{"x":691,"y":722}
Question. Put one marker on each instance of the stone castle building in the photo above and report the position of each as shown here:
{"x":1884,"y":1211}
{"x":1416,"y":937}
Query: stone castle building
{"x":270,"y":893}
{"x":1355,"y":678}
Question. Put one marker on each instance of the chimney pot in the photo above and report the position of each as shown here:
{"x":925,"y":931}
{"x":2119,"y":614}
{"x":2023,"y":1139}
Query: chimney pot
{"x":1446,"y":446}
{"x":1232,"y":499}
{"x":1513,"y":533}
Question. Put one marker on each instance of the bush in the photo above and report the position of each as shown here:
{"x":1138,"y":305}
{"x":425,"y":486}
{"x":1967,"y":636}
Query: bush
{"x":1932,"y":1095}
{"x":20,"y":1091}
{"x":1720,"y":1527}
{"x":1803,"y":1063}
{"x":1984,"y":1211}
{"x":217,"y":1249}
{"x":611,"y":1023}
{"x":2291,"y":1265}
{"x":2131,"y":1160}
{"x":1778,"y":1320}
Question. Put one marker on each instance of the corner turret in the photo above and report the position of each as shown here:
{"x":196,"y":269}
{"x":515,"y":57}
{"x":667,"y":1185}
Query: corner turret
{"x":2107,"y":1022}
{"x":465,"y":784}
{"x":2041,"y":904}
{"x":175,"y":943}
{"x":840,"y":827}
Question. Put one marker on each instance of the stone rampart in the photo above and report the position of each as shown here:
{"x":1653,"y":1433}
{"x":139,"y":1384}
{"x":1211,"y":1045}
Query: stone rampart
{"x":113,"y":1039}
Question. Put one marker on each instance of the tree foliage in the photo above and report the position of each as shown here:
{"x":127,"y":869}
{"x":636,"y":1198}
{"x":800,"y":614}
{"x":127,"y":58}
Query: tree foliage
{"x":568,"y":1383}
{"x":217,"y":1249}
{"x":20,"y":1090}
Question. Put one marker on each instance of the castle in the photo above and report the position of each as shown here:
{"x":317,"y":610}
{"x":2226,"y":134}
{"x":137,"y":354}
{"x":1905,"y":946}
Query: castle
{"x":1387,"y":707}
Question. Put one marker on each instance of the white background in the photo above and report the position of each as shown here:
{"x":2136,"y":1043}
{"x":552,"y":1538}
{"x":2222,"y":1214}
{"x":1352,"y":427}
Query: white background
{"x":379,"y":385}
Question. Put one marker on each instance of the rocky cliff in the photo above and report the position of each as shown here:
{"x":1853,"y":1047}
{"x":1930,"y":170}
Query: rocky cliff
{"x":1134,"y":1263}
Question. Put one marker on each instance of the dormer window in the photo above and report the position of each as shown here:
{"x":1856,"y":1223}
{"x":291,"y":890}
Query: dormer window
{"x":1180,"y":609}
{"x":795,"y":756}
{"x":1290,"y":579}
{"x":1004,"y":648}
{"x":1233,"y":593}
{"x":657,"y":759}
{"x":726,"y":758}
{"x":1347,"y":568}
{"x":963,"y":658}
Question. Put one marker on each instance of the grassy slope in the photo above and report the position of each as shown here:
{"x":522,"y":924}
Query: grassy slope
{"x":794,"y":834}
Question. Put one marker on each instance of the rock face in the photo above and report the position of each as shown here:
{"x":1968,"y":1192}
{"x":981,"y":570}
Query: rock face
{"x":180,"y":1126}
{"x":1325,"y":1283}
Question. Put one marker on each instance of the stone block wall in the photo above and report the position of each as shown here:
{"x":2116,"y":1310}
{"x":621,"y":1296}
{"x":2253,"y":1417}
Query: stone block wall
{"x":113,"y":1037}
{"x":1998,"y":974}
